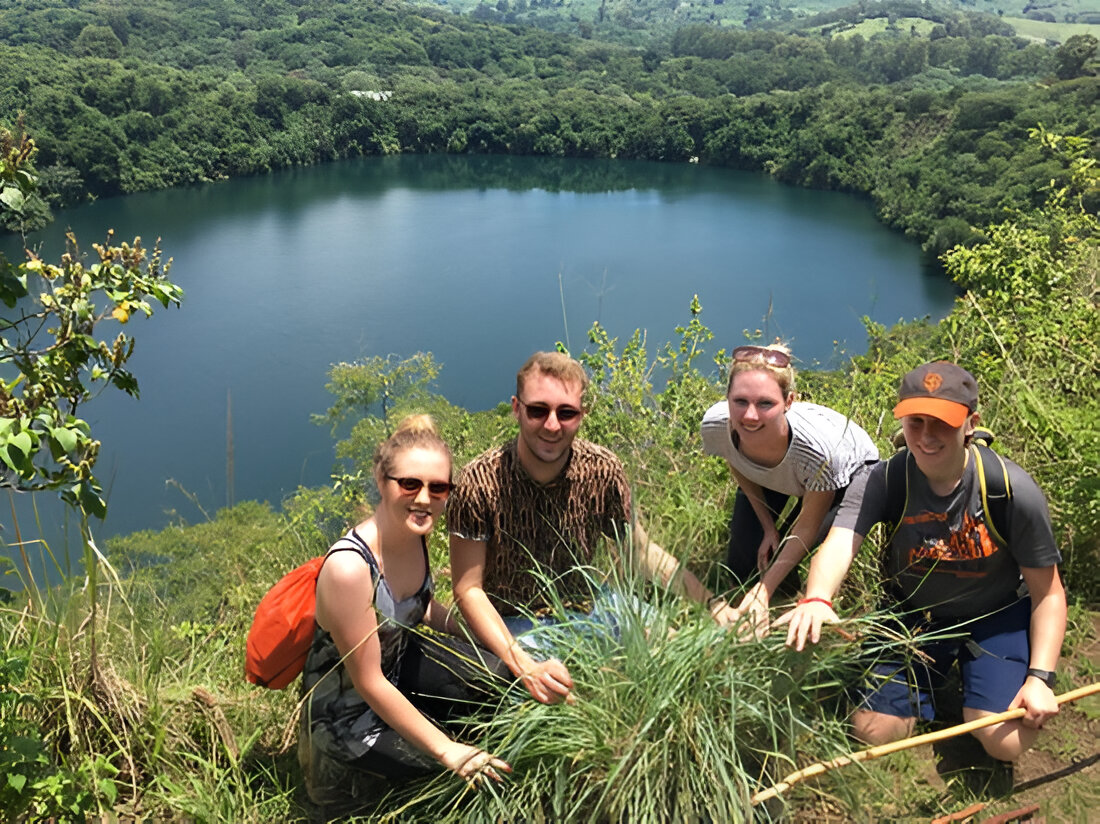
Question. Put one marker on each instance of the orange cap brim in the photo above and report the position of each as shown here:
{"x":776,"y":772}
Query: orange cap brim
{"x":950,"y":412}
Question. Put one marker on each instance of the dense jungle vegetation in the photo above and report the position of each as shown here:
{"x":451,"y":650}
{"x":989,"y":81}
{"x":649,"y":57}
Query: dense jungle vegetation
{"x":122,"y":696}
{"x":127,"y":97}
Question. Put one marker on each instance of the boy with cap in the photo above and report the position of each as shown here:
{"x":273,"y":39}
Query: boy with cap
{"x":945,"y":575}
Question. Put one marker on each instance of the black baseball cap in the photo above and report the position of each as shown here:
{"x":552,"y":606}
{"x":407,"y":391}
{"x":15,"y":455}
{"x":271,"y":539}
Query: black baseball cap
{"x":940,"y":389}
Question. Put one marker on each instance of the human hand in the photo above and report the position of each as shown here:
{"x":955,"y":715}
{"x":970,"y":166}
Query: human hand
{"x":804,"y":622}
{"x":473,"y":765}
{"x":1038,"y":701}
{"x":722,"y":613}
{"x":548,"y":681}
{"x":767,"y":548}
{"x":755,"y":606}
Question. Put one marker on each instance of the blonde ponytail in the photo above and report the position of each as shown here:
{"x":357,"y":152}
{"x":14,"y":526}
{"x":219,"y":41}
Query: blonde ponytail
{"x":414,"y":432}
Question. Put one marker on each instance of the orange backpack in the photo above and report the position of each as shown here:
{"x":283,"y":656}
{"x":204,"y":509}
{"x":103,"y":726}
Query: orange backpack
{"x":282,"y":629}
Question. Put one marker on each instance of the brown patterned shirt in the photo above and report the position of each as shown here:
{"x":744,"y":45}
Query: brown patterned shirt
{"x":529,"y":527}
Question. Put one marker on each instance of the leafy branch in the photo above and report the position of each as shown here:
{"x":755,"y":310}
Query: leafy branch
{"x":51,"y":358}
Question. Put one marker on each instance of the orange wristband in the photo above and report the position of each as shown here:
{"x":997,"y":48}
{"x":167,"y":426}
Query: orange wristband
{"x":824,"y":601}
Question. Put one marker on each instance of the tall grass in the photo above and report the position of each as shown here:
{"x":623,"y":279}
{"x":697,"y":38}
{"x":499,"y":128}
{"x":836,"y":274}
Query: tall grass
{"x":676,"y":720}
{"x":157,"y":722}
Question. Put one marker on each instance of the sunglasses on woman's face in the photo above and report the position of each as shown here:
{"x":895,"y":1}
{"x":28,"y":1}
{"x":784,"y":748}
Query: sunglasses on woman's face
{"x":540,"y":412}
{"x":410,"y":486}
{"x":772,"y":357}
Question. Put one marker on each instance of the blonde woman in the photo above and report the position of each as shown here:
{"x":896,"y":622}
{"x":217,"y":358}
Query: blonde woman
{"x":379,"y":693}
{"x":778,"y":448}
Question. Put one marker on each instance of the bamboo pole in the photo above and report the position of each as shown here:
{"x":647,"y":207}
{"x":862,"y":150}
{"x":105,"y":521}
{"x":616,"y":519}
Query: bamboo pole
{"x":908,"y":743}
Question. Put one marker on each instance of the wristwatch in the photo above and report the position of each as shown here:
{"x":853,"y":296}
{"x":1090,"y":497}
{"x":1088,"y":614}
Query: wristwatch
{"x":1046,"y":676}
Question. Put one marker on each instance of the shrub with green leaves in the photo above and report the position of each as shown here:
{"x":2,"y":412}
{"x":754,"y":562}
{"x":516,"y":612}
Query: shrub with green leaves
{"x":49,"y":348}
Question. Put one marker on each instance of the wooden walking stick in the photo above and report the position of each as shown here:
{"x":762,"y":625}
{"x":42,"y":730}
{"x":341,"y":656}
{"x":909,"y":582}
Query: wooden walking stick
{"x":908,"y":743}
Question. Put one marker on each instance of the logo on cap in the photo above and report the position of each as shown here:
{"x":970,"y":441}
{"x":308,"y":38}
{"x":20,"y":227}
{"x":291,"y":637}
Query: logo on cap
{"x":933,"y":381}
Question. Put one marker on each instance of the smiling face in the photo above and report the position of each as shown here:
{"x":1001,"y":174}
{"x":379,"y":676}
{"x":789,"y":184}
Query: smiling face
{"x":417,"y":511}
{"x":938,"y":448}
{"x":544,"y":438}
{"x":757,"y":408}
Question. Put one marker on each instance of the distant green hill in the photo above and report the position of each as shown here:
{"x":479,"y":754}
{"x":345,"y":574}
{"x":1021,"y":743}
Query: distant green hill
{"x":931,"y":123}
{"x":640,"y":21}
{"x":1052,"y":32}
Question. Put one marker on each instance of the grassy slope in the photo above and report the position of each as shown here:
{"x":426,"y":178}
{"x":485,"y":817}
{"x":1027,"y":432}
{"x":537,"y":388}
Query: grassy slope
{"x":1055,"y":32}
{"x":734,"y":13}
{"x":869,"y":28}
{"x":1031,"y":29}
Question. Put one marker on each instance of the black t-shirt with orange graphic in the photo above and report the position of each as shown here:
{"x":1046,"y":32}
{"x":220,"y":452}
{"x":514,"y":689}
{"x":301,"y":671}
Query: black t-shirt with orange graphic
{"x":942,"y":557}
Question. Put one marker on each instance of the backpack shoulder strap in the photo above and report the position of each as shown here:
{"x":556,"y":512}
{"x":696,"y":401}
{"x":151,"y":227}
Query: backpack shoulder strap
{"x":897,"y":487}
{"x":996,"y":490}
{"x":353,"y":541}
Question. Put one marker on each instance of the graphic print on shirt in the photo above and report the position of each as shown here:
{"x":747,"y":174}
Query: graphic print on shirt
{"x":970,"y":542}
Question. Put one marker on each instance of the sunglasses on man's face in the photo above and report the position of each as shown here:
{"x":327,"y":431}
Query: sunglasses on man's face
{"x":540,"y":411}
{"x":410,"y":486}
{"x":772,"y":357}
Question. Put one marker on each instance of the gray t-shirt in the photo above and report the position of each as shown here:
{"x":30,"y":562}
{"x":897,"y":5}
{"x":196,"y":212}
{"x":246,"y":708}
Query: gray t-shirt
{"x":942,"y":557}
{"x":825,"y":450}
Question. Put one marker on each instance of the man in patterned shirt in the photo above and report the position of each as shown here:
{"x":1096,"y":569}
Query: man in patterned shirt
{"x":536,"y":509}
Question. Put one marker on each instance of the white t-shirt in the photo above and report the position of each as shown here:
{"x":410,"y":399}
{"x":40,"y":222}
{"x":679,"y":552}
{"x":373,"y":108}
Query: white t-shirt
{"x":825,"y":450}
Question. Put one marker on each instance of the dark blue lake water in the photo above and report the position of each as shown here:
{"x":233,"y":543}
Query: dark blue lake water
{"x":480,"y":260}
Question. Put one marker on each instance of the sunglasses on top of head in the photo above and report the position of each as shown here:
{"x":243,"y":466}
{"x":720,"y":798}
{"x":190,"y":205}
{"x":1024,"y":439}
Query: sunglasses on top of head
{"x":540,"y":411}
{"x":410,"y":486}
{"x":772,"y":357}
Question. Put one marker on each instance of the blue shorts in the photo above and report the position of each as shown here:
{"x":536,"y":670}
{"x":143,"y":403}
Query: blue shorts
{"x":993,"y":654}
{"x":554,"y":636}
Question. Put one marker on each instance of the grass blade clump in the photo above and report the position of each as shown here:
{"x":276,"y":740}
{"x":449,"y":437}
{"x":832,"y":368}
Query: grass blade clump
{"x":675,"y":721}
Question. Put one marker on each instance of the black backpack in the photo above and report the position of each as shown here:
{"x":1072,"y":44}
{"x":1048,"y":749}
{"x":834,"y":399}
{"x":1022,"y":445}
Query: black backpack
{"x":992,"y":478}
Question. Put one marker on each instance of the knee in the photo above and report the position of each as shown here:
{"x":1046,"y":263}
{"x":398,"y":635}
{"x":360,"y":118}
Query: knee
{"x":1006,"y":741}
{"x":876,"y":728}
{"x":1007,"y":748}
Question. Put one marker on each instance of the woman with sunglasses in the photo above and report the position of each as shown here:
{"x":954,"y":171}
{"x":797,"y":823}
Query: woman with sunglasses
{"x":778,"y":449}
{"x":376,"y":692}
